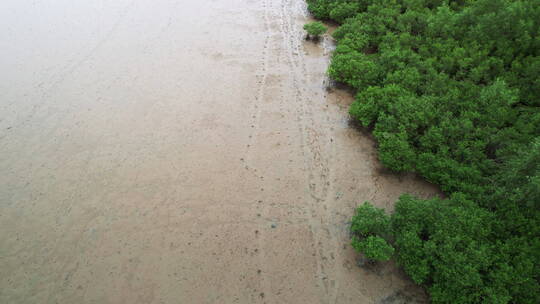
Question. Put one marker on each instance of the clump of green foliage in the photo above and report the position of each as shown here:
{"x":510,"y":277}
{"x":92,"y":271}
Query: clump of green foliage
{"x":451,"y":91}
{"x":315,"y":29}
{"x":369,"y":228}
{"x":375,"y":248}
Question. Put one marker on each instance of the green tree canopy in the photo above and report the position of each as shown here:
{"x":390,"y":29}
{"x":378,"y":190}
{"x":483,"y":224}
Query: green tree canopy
{"x":451,"y":91}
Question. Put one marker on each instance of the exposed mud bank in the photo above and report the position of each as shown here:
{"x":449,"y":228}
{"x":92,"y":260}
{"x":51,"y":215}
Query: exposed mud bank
{"x":180,"y":152}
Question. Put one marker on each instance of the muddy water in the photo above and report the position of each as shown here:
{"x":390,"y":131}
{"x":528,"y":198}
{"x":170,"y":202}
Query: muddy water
{"x":180,"y":152}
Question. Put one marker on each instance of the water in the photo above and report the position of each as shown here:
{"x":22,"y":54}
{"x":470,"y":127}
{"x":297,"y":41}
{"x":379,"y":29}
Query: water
{"x":180,"y":152}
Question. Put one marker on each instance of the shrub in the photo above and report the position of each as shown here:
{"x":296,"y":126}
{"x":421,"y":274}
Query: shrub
{"x":315,"y":29}
{"x":375,"y":248}
{"x":369,"y":227}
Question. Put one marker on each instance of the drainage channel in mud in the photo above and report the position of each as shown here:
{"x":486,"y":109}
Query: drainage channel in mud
{"x":180,"y":151}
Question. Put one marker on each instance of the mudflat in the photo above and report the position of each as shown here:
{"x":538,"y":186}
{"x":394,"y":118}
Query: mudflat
{"x":181,"y":152}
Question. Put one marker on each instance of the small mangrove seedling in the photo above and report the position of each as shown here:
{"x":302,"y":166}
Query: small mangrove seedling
{"x":314,"y":29}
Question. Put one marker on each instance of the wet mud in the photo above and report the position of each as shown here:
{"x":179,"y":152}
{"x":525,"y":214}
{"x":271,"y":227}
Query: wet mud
{"x":181,"y":152}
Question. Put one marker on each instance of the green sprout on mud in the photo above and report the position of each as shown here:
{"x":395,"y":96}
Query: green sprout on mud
{"x":314,"y":29}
